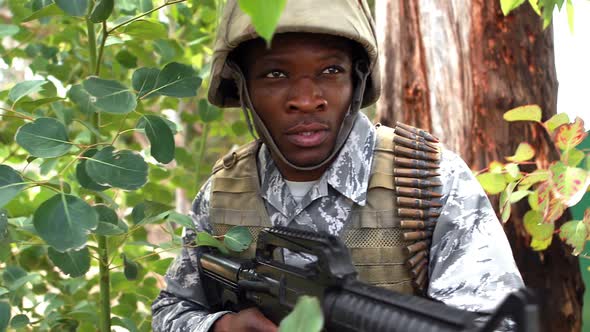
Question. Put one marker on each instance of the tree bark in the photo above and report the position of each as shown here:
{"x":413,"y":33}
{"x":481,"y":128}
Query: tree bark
{"x":454,"y":67}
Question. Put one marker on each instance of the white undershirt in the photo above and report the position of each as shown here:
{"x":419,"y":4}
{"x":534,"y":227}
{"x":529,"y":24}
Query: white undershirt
{"x":299,"y":189}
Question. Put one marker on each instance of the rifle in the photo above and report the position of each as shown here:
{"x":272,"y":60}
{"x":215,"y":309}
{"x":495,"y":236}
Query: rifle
{"x":347,"y":304}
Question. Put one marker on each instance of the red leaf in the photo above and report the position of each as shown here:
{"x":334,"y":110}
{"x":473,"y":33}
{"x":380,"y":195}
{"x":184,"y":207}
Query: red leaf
{"x":570,"y":135}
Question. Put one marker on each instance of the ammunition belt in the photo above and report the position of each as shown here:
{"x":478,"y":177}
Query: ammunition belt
{"x":416,"y":180}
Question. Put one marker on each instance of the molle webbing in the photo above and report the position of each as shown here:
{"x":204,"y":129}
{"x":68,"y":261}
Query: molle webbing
{"x":388,"y":238}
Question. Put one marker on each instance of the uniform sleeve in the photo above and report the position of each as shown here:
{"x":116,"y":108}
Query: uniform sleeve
{"x":471,"y":262}
{"x":181,"y":307}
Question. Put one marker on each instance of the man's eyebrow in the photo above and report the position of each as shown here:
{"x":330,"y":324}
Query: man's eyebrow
{"x":278,"y":59}
{"x":335,"y":56}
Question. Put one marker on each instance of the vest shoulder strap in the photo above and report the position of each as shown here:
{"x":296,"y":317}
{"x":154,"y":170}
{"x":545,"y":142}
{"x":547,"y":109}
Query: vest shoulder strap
{"x":232,"y":158}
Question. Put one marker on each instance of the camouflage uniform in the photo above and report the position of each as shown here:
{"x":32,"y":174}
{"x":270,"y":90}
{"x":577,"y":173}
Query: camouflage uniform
{"x":471,"y":264}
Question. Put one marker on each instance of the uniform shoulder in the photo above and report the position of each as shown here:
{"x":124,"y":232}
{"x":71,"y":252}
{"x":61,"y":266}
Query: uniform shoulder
{"x":235,"y":155}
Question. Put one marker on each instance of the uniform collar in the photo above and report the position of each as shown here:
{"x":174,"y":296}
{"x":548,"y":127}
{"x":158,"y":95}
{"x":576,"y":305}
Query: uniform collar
{"x":348,"y":174}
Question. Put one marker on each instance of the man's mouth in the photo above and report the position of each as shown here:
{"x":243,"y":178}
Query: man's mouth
{"x":307,"y":135}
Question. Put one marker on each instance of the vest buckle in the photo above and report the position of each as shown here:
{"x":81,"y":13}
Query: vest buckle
{"x":230,"y":160}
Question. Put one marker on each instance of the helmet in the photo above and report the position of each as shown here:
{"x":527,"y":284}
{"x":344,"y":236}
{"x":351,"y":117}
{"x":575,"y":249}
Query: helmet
{"x":345,"y":18}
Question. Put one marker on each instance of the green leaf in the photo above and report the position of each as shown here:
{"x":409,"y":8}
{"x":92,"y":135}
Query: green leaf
{"x":496,"y":167}
{"x":512,"y":172}
{"x":82,"y":98}
{"x":509,"y":5}
{"x":149,"y":211}
{"x":7,"y":30}
{"x":108,"y":222}
{"x":11,"y":184}
{"x":122,"y":169}
{"x":181,"y":219}
{"x":130,"y":268}
{"x":106,"y":229}
{"x":82,"y":176}
{"x":64,"y":221}
{"x":524,"y":113}
{"x":106,"y":214}
{"x":23,"y":89}
{"x":161,"y":265}
{"x":17,"y":280}
{"x":209,"y":113}
{"x":127,"y":59}
{"x":492,"y":183}
{"x":75,"y":263}
{"x":125,"y":322}
{"x":35,"y":104}
{"x":178,"y":80}
{"x":47,"y":11}
{"x":265,"y":18}
{"x":570,"y":183}
{"x":44,"y":138}
{"x":505,"y":202}
{"x":575,"y":234}
{"x":540,"y":245}
{"x":144,"y":82}
{"x":518,"y":195}
{"x":569,"y":135}
{"x":534,"y":177}
{"x":146,"y":30}
{"x":556,"y":121}
{"x":175,"y":80}
{"x":102,"y":10}
{"x":535,"y":5}
{"x":73,"y":7}
{"x":237,"y":239}
{"x":160,"y":136}
{"x":524,"y":152}
{"x":572,"y":157}
{"x":533,"y":224}
{"x":19,"y":321}
{"x":569,"y":7}
{"x":4,"y":315}
{"x":3,"y":291}
{"x":205,"y":239}
{"x":110,"y":96}
{"x":307,"y":316}
{"x":13,"y":277}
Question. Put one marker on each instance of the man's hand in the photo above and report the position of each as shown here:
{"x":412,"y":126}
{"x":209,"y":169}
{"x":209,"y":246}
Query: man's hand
{"x":249,"y":320}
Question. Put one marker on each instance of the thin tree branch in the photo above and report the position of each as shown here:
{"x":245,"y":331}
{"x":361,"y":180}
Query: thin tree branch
{"x":167,"y":3}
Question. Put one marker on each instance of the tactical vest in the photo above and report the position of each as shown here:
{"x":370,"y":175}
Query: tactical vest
{"x":388,"y":238}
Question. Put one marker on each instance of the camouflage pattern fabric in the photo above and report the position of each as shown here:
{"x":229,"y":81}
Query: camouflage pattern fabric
{"x":471,"y":264}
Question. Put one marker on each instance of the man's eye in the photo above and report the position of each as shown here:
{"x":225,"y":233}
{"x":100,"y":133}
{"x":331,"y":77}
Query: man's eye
{"x":275,"y":74}
{"x":332,"y":70}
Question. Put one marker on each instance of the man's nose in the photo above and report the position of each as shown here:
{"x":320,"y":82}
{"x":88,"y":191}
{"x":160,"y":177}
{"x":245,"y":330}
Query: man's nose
{"x":306,"y":96}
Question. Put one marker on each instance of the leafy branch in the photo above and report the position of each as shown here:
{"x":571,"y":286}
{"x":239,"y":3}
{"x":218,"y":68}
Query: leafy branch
{"x":550,"y":190}
{"x":106,"y":32}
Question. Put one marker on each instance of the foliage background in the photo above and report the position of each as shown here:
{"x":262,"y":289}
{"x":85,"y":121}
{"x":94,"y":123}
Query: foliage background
{"x":42,"y":42}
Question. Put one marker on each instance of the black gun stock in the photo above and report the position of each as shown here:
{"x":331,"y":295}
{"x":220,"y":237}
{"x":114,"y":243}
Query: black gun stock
{"x":347,"y":304}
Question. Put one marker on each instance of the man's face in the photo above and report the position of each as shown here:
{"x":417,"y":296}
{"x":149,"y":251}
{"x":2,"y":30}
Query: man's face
{"x":301,"y":88}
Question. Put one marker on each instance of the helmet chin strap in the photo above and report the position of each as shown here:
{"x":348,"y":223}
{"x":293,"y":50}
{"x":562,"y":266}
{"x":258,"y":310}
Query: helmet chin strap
{"x":361,"y":71}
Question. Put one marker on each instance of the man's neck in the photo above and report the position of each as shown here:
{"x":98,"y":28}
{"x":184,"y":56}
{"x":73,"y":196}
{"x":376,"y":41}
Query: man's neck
{"x":295,"y":175}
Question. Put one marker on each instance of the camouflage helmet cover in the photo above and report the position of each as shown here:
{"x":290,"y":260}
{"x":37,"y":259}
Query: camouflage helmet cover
{"x":346,"y":18}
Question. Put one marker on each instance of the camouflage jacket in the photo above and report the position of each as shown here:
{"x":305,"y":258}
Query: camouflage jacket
{"x":471,"y":263}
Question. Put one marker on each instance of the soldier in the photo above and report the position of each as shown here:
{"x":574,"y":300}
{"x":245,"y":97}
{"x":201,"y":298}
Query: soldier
{"x":412,"y":214}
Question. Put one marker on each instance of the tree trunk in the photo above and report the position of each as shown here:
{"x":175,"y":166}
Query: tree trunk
{"x":454,"y":67}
